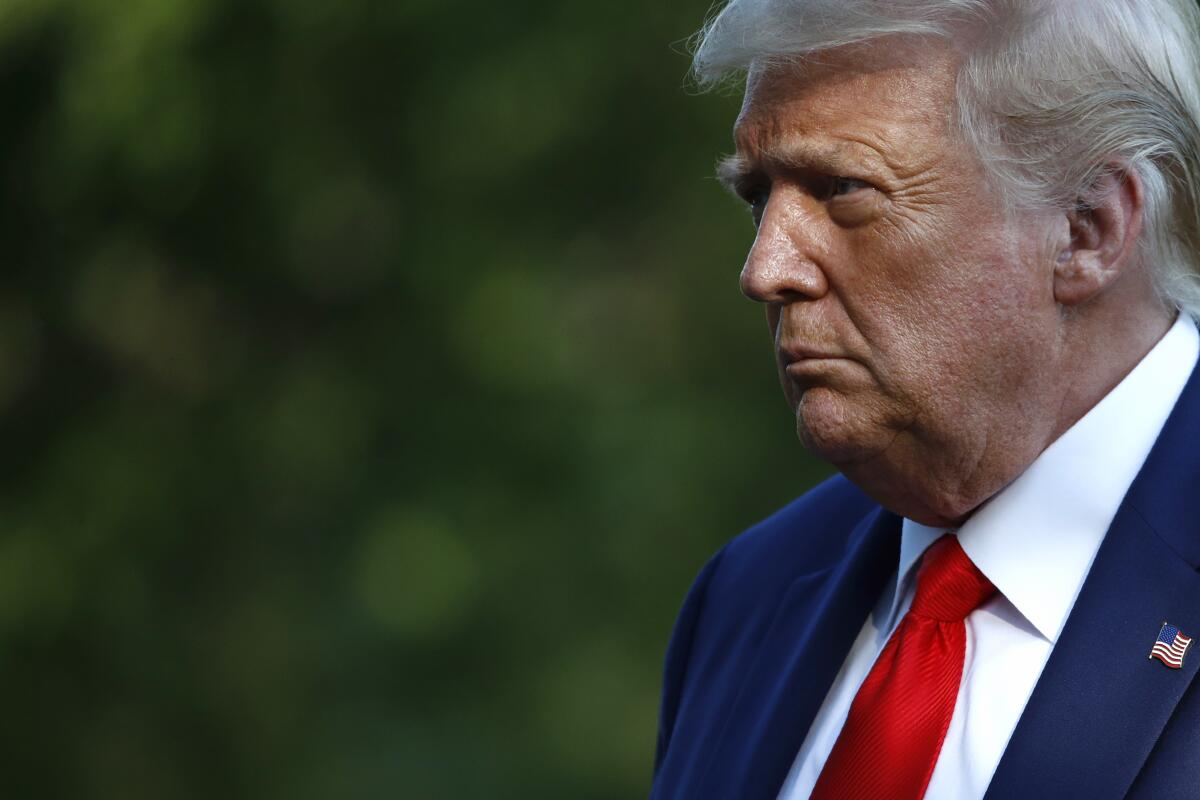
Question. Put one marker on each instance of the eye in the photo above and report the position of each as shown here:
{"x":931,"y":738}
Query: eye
{"x":851,"y":202}
{"x":840,"y":187}
{"x":757,"y":198}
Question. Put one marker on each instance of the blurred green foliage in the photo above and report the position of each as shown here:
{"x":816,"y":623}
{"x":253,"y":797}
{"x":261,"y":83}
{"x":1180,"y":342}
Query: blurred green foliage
{"x":373,"y":382}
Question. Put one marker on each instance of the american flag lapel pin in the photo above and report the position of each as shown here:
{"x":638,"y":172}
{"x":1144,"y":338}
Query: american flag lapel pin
{"x":1170,"y":646}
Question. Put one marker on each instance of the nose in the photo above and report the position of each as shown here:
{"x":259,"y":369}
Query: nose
{"x":783,"y":263}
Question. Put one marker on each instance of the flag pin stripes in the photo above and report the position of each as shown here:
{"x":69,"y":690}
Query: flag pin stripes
{"x":1171,"y":646}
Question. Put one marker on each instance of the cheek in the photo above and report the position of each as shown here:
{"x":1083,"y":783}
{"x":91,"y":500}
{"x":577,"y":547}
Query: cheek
{"x":965,"y":263}
{"x":933,"y":313}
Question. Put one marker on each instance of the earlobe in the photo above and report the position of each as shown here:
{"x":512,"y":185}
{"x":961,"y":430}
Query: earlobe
{"x":1103,"y":233}
{"x":1081,"y":277}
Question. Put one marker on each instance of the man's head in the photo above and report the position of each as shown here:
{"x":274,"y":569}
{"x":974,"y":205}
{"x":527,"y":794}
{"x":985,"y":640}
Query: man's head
{"x":973,"y":219}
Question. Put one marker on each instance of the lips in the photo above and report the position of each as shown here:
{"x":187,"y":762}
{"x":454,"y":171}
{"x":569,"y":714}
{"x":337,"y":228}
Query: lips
{"x":806,"y":363}
{"x":795,"y":353}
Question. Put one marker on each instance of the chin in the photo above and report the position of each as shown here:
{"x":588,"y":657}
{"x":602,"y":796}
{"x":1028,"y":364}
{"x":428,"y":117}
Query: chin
{"x":834,"y":428}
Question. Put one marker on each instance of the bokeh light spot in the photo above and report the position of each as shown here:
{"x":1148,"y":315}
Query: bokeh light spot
{"x":414,"y":576}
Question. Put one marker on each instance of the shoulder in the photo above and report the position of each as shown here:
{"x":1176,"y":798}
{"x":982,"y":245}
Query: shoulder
{"x":740,"y":588}
{"x":735,"y":597}
{"x":810,"y":534}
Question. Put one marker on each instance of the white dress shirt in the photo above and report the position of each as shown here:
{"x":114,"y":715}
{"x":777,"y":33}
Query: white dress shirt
{"x":1035,"y":540}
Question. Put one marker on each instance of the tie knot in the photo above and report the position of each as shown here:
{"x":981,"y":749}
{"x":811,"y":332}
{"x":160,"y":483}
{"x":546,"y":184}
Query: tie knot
{"x":949,"y":585}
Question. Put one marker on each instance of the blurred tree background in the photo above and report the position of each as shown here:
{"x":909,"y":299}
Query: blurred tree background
{"x":374,"y":381}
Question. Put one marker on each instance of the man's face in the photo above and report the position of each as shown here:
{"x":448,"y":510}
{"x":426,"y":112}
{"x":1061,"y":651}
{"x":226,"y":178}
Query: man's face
{"x":912,"y":321}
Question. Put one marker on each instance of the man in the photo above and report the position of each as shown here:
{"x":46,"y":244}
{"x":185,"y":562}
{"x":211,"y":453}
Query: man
{"x":978,"y":241}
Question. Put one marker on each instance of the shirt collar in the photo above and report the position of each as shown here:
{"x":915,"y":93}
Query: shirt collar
{"x":1036,"y":538}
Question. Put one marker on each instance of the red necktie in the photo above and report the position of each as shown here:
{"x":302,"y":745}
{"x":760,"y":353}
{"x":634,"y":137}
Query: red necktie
{"x":890,"y":743}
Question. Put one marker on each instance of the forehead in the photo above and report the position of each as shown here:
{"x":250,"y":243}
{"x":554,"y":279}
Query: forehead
{"x":847,"y":102}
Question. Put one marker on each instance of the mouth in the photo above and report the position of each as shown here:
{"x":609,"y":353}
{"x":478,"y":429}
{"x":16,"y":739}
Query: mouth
{"x":808,"y":365}
{"x":798,"y":354}
{"x":814,"y":365}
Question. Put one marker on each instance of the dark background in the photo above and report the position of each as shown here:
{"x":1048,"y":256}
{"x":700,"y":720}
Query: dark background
{"x":373,"y":382}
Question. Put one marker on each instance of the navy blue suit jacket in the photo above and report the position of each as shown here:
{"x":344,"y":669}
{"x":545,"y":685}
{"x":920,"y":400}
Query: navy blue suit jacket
{"x":772,"y":616}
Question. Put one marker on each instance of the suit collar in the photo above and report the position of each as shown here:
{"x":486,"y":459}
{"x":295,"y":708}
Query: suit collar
{"x":1101,"y":703}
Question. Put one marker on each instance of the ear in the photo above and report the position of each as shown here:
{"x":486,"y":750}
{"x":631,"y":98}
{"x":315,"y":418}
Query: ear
{"x":1104,"y":231}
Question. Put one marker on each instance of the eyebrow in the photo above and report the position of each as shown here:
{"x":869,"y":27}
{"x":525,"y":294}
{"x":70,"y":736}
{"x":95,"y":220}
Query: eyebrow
{"x":735,"y":174}
{"x":738,"y":172}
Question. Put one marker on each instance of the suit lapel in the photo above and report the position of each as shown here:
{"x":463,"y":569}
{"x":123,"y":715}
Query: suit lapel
{"x":797,"y":662}
{"x":1101,"y":703}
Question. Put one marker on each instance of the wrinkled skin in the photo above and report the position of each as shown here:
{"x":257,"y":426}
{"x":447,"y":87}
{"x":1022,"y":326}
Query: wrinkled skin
{"x":930,"y":347}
